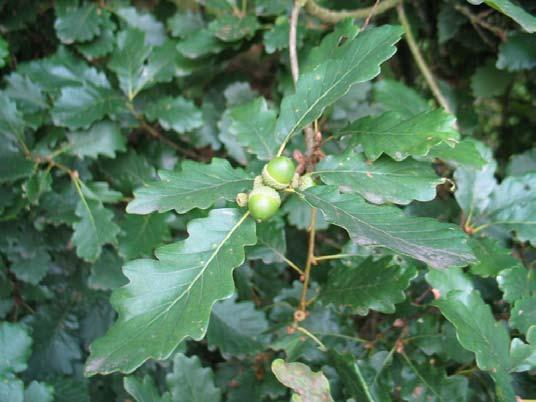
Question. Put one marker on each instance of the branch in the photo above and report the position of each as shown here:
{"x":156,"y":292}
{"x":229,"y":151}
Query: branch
{"x":293,"y":54}
{"x":333,"y":16}
{"x":295,"y":69}
{"x":369,"y":17}
{"x":155,"y":134}
{"x":308,"y":264}
{"x":419,"y":59}
{"x":477,"y":20}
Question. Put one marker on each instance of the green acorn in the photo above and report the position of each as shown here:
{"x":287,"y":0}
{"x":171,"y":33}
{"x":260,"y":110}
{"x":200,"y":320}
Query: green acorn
{"x":263,"y":202}
{"x":278,"y":173}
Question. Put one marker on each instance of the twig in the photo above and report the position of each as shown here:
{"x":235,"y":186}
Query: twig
{"x":309,"y":262}
{"x":347,"y":337}
{"x":418,"y":374}
{"x":372,"y":11}
{"x":333,"y":16}
{"x":291,"y":264}
{"x":335,"y":256}
{"x":478,"y":20}
{"x":321,"y":346}
{"x":482,"y":35}
{"x":156,"y":134}
{"x":293,"y":54}
{"x":295,"y":70}
{"x":311,"y":144}
{"x":425,"y":70}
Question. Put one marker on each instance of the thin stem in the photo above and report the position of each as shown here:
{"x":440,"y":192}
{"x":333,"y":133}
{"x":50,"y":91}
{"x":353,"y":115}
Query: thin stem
{"x":292,"y":265}
{"x":477,"y":20}
{"x":347,"y":337}
{"x":469,"y":217}
{"x":321,"y":346}
{"x":466,"y":371}
{"x":309,"y":261}
{"x":335,"y":256}
{"x":412,"y":366}
{"x":292,"y":49}
{"x":24,"y":147}
{"x":295,"y":70}
{"x":310,"y":143}
{"x":482,"y":227}
{"x":364,"y":384}
{"x":419,"y":59}
{"x":60,"y":167}
{"x":384,"y":363}
{"x":369,"y":17}
{"x":333,"y":16}
{"x":59,"y":151}
{"x":156,"y":134}
{"x":487,"y":225}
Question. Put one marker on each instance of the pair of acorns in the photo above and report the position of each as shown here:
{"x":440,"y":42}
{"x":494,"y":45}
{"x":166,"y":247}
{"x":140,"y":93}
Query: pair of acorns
{"x":279,"y":174}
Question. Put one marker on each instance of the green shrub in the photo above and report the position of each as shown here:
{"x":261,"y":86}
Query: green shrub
{"x":150,"y":250}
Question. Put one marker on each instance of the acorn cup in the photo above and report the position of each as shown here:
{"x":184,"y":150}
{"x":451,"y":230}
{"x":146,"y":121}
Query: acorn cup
{"x":278,"y":173}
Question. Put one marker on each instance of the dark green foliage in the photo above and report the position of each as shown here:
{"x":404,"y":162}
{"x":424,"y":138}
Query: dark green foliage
{"x":129,"y":273}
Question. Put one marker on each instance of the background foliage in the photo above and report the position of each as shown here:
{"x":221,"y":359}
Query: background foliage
{"x":127,"y":129}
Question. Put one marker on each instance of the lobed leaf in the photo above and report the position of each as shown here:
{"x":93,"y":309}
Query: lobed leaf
{"x":357,"y":61}
{"x":144,"y":390}
{"x":478,"y":332}
{"x":15,"y":348}
{"x":197,"y":185}
{"x":80,"y":107}
{"x":253,"y":125}
{"x":310,"y":386}
{"x":386,"y":226}
{"x":77,"y":23}
{"x":189,"y":379}
{"x":138,"y":65}
{"x":237,"y":328}
{"x":94,"y":229}
{"x":141,"y":234}
{"x":376,"y":285}
{"x":517,"y":283}
{"x":380,"y":181}
{"x":103,"y":138}
{"x":177,"y":114}
{"x":515,"y":12}
{"x":187,"y":278}
{"x":512,"y":206}
{"x":401,"y":137}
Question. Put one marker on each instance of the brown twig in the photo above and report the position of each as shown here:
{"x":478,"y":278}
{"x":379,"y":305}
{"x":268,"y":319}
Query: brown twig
{"x":295,"y":70}
{"x":369,"y":17}
{"x":292,"y":48}
{"x":156,"y":134}
{"x":333,"y":16}
{"x":477,"y":20}
{"x":419,"y":59}
{"x":309,"y":262}
{"x":312,"y":141}
{"x":153,"y":132}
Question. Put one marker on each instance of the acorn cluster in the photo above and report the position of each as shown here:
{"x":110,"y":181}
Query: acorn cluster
{"x":279,"y":174}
